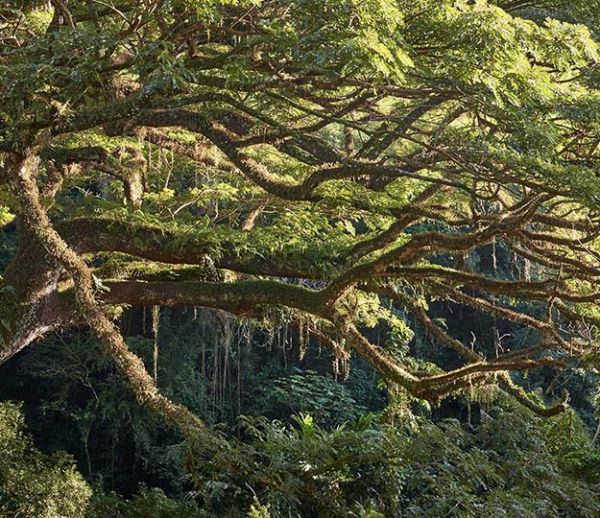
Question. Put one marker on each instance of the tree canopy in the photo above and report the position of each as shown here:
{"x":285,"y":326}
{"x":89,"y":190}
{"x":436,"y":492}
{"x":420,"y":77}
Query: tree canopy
{"x":330,"y":164}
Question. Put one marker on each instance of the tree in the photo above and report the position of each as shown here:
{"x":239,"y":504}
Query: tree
{"x":333,"y":161}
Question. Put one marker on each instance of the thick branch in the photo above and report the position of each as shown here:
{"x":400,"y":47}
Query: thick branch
{"x":142,"y":384}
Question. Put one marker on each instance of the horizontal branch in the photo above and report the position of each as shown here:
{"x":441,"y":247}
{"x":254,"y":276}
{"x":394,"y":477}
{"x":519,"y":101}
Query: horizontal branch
{"x":242,"y":297}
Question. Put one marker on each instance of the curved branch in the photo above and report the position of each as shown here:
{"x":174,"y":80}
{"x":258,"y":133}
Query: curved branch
{"x":142,"y":384}
{"x":522,"y":397}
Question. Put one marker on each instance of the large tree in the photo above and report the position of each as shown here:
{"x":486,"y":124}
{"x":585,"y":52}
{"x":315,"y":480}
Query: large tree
{"x":335,"y":161}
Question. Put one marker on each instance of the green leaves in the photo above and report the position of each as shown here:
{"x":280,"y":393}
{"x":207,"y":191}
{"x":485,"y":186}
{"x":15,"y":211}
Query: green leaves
{"x":315,"y":398}
{"x":34,"y":484}
{"x":342,"y":39}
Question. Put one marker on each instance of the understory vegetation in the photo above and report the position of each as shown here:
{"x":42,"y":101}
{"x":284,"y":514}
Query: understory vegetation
{"x":310,"y":444}
{"x":504,"y":462}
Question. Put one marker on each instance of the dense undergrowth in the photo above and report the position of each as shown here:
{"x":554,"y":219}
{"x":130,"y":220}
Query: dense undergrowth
{"x":510,"y":465}
{"x":314,"y":446}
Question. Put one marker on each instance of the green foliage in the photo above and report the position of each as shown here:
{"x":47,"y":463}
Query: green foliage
{"x":569,"y":439}
{"x":312,"y":472}
{"x":100,"y":416}
{"x":473,"y":94}
{"x":345,"y":37}
{"x":151,"y":503}
{"x":307,"y":392}
{"x":511,"y":463}
{"x":258,"y":511}
{"x":32,"y":483}
{"x":507,"y":466}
